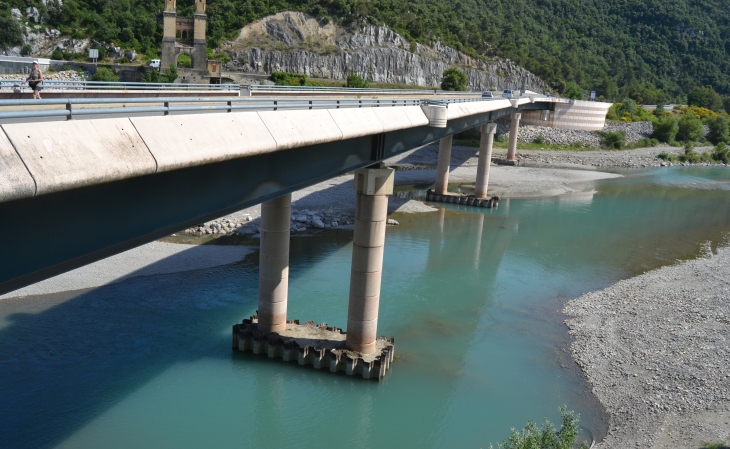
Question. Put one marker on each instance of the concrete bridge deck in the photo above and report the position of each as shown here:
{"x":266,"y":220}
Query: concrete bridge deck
{"x":87,"y":189}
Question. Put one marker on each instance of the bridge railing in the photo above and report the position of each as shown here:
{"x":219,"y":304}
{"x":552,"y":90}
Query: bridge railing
{"x":70,"y":107}
{"x":117,"y":85}
{"x":350,"y":90}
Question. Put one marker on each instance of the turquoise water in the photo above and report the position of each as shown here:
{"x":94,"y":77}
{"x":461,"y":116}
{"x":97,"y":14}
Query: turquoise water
{"x":472,"y":297}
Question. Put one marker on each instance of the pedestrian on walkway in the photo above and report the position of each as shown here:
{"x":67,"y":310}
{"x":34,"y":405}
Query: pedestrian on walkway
{"x":34,"y":79}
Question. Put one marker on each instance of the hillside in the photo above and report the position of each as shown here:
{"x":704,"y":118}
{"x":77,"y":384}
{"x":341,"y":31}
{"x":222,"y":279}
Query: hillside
{"x":298,"y":43}
{"x":650,"y":48}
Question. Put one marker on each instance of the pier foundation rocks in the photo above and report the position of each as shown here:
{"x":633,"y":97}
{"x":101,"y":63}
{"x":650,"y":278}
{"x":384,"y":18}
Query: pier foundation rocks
{"x":461,"y":198}
{"x":373,"y":185}
{"x":321,"y":346}
{"x":485,"y":160}
{"x":514,"y":130}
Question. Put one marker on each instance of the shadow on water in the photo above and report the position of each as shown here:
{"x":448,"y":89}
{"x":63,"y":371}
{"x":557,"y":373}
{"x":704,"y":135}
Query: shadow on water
{"x":481,"y":279}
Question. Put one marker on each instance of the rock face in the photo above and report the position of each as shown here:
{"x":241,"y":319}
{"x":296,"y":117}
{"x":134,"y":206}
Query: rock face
{"x":299,"y":43}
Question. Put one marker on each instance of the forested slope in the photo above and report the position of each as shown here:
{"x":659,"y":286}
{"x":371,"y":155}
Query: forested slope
{"x":648,"y":48}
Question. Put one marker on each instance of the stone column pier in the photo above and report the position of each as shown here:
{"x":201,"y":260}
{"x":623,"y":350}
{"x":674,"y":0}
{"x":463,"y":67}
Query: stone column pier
{"x":274,"y":264}
{"x":444,"y":163}
{"x":371,"y":210}
{"x":485,"y":159}
{"x":514,"y":128}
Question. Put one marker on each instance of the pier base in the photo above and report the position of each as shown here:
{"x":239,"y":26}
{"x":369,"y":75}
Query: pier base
{"x":321,"y":346}
{"x":461,"y":198}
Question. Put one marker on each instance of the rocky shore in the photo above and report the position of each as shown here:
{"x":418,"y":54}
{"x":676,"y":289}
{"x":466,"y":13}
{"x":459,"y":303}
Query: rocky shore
{"x":655,"y":348}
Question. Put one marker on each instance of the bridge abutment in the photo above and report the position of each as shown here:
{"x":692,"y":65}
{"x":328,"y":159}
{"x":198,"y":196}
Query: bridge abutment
{"x":274,"y":263}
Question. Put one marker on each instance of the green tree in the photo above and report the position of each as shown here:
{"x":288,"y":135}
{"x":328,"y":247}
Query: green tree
{"x":608,"y":89}
{"x":726,"y":104}
{"x":665,"y":130}
{"x":718,"y":130}
{"x":573,"y":91}
{"x":57,"y":55}
{"x":11,"y":34}
{"x":689,"y":128}
{"x":170,"y":74}
{"x":613,"y":140}
{"x":104,"y":74}
{"x":26,"y":50}
{"x":357,"y":82}
{"x":454,"y":79}
{"x":705,"y":97}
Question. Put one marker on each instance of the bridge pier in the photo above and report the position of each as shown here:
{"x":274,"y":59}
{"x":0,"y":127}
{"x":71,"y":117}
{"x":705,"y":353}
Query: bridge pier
{"x":373,"y":185}
{"x":514,"y":129}
{"x":444,"y":164}
{"x":485,"y":159}
{"x":274,"y":263}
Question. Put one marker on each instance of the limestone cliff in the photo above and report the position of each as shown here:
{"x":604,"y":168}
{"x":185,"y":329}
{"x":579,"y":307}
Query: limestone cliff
{"x":296,"y":42}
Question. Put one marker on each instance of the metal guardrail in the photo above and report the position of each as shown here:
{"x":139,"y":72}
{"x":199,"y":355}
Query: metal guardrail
{"x":118,"y":85}
{"x":202,"y":104}
{"x":353,"y":90}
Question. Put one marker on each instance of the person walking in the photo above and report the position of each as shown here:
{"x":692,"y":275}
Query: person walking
{"x":34,"y":79}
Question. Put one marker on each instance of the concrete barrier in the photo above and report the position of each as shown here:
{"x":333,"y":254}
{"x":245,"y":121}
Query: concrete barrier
{"x":299,"y":128}
{"x":15,"y":180}
{"x":179,"y":141}
{"x":71,"y":154}
{"x":356,"y":122}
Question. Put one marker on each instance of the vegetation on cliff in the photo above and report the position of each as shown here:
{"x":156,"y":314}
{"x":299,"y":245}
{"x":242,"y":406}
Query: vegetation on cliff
{"x":652,"y":51}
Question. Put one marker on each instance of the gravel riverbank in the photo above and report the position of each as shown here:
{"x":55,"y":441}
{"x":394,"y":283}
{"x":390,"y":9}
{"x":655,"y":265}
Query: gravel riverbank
{"x":656,"y":350}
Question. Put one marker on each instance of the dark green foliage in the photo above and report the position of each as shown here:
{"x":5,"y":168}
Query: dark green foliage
{"x":454,"y":79}
{"x":689,"y":128}
{"x":721,"y":153}
{"x":572,"y":90}
{"x":25,"y":50}
{"x":11,"y":34}
{"x":184,"y":61}
{"x":170,"y":74}
{"x":659,"y":110}
{"x":667,"y":156}
{"x":546,"y":437}
{"x":57,"y":55}
{"x":102,"y":52}
{"x":104,"y":74}
{"x":539,"y":139}
{"x":705,"y":97}
{"x":357,"y":82}
{"x":153,"y":76}
{"x":613,"y":140}
{"x":644,"y":142}
{"x":288,"y":79}
{"x":719,"y":131}
{"x":665,"y":130}
{"x":726,"y":104}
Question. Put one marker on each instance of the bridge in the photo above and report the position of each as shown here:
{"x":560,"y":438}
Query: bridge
{"x":104,"y":180}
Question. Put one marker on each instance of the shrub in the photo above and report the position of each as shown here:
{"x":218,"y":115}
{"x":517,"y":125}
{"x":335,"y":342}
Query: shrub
{"x":705,"y":97}
{"x":721,"y":153}
{"x":153,"y":76}
{"x":539,"y":139}
{"x":718,"y":130}
{"x":454,"y":79}
{"x":573,"y":91}
{"x":25,"y":50}
{"x":184,"y":61}
{"x":689,"y":128}
{"x":667,"y":156}
{"x":613,"y":140}
{"x":104,"y":74}
{"x":356,"y":81}
{"x":644,"y":142}
{"x":57,"y":55}
{"x":665,"y":130}
{"x":170,"y":74}
{"x":546,"y":437}
{"x":689,"y":154}
{"x":288,"y":79}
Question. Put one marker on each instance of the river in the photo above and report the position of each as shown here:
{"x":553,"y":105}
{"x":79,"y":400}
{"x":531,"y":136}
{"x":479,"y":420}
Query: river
{"x":472,"y":297}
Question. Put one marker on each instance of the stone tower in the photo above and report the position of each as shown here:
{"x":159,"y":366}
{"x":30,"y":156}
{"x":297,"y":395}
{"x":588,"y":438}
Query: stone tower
{"x":172,"y":47}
